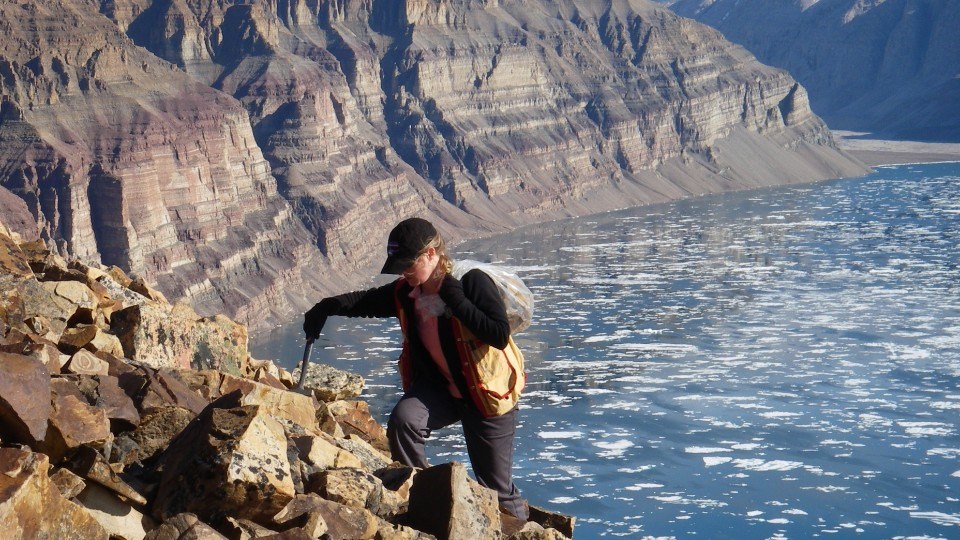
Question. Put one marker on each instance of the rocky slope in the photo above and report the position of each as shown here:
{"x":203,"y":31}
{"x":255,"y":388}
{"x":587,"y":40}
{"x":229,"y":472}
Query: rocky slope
{"x":244,"y":155}
{"x":889,"y":67}
{"x":125,"y":417}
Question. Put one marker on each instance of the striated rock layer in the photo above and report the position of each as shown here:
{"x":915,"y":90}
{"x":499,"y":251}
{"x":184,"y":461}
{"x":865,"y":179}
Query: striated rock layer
{"x":244,"y":155}
{"x":886,"y":66}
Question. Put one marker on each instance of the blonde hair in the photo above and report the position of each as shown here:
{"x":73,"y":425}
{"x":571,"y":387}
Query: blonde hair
{"x":445,"y":264}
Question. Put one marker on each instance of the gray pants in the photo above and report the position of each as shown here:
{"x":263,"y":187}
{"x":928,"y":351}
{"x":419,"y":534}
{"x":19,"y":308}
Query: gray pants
{"x":489,"y":440}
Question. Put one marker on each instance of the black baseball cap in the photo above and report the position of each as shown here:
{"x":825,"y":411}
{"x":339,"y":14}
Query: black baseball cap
{"x":405,"y":243}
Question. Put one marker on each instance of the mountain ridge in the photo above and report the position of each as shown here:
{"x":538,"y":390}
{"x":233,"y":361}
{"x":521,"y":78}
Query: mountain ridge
{"x":251,"y":156}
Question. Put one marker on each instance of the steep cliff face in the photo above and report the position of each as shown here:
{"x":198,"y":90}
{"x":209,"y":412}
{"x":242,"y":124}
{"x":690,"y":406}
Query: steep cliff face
{"x":220,"y":148}
{"x":885,"y":66}
{"x":124,"y":159}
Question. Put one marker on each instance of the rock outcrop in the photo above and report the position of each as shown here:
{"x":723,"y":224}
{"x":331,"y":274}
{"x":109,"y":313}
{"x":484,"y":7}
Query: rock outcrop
{"x":222,"y":446}
{"x":887,"y":67}
{"x":244,"y":155}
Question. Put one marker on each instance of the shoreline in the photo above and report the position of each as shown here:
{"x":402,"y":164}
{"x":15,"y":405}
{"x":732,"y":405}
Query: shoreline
{"x":876,"y":152}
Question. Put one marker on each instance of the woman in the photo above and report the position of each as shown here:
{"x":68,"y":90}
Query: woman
{"x":440,"y":385}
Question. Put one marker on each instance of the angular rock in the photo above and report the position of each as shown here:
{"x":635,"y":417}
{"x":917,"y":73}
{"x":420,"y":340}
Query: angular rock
{"x":117,"y":405}
{"x":79,"y":294}
{"x":448,"y":504}
{"x":552,"y":520}
{"x":302,"y":513}
{"x":89,"y":464}
{"x":327,"y":422}
{"x":329,"y":383}
{"x":152,"y":389}
{"x":357,"y":489}
{"x":397,"y":478}
{"x":231,"y":461}
{"x":322,"y":453}
{"x":157,"y":428}
{"x":341,"y":521}
{"x":74,"y":339}
{"x":34,"y":346}
{"x":25,"y":405}
{"x":120,"y":519}
{"x":355,"y":419}
{"x":371,"y":458}
{"x":184,"y":526}
{"x":390,"y":531}
{"x":292,"y":406}
{"x":31,"y":506}
{"x":84,"y":362}
{"x":534,"y":531}
{"x":139,"y":285}
{"x":73,"y":422}
{"x":68,"y":483}
{"x":14,"y":264}
{"x":39,"y":303}
{"x":171,"y":337}
{"x":244,"y":529}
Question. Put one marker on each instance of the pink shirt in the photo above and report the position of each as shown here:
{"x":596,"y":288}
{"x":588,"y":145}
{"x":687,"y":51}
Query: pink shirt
{"x":427,"y":307}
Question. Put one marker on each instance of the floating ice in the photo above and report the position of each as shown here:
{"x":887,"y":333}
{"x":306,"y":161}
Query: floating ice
{"x":940,"y":518}
{"x":705,"y":450}
{"x":560,"y":434}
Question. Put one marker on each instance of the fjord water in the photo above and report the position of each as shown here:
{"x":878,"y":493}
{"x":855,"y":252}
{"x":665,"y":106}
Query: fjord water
{"x":778,"y":363}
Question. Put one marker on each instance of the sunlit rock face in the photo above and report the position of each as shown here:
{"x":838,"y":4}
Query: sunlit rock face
{"x":244,"y":155}
{"x":878,"y":65}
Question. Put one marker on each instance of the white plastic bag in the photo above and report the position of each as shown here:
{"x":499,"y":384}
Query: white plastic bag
{"x":516,"y":296}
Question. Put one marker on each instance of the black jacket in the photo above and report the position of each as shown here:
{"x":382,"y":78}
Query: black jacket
{"x":475,"y":302}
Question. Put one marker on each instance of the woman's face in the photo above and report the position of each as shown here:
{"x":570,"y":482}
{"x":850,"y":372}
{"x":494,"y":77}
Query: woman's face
{"x":422,"y":268}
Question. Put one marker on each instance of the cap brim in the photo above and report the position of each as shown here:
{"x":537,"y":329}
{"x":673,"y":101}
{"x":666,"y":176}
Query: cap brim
{"x":395,"y":265}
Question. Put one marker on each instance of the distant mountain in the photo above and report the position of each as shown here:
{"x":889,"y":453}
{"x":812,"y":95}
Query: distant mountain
{"x":886,"y":66}
{"x":244,"y":155}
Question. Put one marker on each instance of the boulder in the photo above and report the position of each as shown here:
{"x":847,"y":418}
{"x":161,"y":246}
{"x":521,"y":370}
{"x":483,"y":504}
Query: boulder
{"x":311,"y":511}
{"x":14,"y":263}
{"x":397,"y":478}
{"x":76,"y":292}
{"x":184,"y":526}
{"x":73,"y":422}
{"x":355,"y":419}
{"x":551,"y":520}
{"x":35,"y":302}
{"x":105,"y":393}
{"x":303,"y":514}
{"x":119,"y":518}
{"x":358,"y":489}
{"x":157,"y":428}
{"x":152,"y":389}
{"x":329,"y":383}
{"x":292,"y":406}
{"x":371,"y":458}
{"x":173,"y":337}
{"x":231,"y":461}
{"x":68,"y":483}
{"x":447,"y":503}
{"x":321,"y":451}
{"x":31,"y":506}
{"x":25,"y":406}
{"x":34,"y":346}
{"x":89,"y":464}
{"x":84,"y":362}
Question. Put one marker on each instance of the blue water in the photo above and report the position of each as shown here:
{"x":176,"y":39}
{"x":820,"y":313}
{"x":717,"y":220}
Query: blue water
{"x":781,"y":363}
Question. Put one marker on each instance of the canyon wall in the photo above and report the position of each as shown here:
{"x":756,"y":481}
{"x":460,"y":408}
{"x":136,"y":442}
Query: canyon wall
{"x":884,"y":66}
{"x":250,"y":156}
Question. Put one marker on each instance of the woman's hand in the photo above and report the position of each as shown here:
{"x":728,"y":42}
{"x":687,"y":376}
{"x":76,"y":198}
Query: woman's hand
{"x":316,"y":317}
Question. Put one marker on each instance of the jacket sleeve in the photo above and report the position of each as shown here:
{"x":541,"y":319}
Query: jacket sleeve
{"x":376,"y":302}
{"x":476,"y":302}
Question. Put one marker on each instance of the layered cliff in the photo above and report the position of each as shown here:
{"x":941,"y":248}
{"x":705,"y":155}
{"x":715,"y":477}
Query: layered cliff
{"x":884,"y":66}
{"x":243,"y":154}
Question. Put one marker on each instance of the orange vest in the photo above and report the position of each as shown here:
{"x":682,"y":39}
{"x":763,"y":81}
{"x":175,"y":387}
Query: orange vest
{"x":495,"y":377}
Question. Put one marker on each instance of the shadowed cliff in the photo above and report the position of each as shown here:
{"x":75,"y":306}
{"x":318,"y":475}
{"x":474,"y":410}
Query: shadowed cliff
{"x":888,"y":67}
{"x":247,"y":156}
